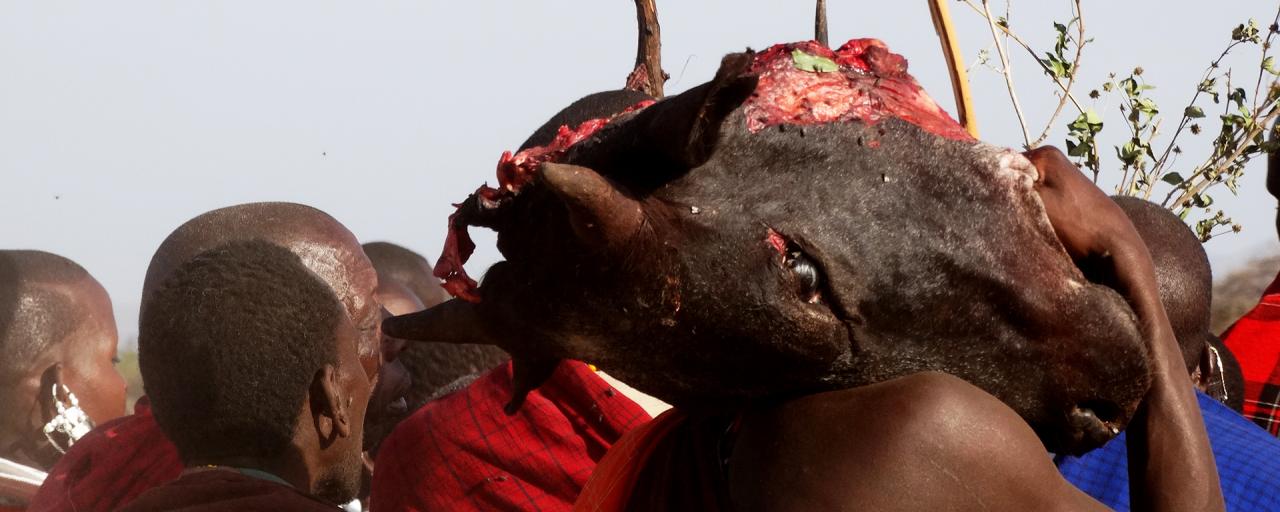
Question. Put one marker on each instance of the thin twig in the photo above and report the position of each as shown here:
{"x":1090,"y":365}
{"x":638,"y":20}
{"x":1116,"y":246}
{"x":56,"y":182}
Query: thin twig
{"x":1071,"y":78}
{"x":1206,"y":179}
{"x":1266,"y":47}
{"x":1159,"y":166}
{"x":1007,"y":72}
{"x":1010,"y":33}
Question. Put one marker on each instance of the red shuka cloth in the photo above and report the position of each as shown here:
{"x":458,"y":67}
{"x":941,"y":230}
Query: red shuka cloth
{"x":110,"y":466}
{"x":615,"y":478}
{"x":1255,"y":341}
{"x":463,"y":453}
{"x":230,"y":491}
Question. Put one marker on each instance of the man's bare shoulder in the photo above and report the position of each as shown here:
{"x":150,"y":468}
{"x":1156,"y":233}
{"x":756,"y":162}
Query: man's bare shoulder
{"x":925,"y":441}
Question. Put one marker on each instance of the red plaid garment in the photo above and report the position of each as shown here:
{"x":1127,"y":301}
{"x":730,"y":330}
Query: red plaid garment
{"x":110,"y":466}
{"x":1255,"y":341}
{"x":462,"y":453}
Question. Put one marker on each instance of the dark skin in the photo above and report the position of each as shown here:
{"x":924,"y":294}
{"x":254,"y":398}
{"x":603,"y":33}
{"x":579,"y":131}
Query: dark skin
{"x":936,"y":442}
{"x":83,"y":362}
{"x":324,"y":456}
{"x":334,"y":255}
{"x":326,"y":247}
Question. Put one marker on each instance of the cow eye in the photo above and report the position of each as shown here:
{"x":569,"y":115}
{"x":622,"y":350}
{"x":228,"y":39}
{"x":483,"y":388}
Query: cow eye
{"x":807,"y":275}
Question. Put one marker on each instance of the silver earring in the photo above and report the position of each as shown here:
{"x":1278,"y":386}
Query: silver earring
{"x":1217,"y":361}
{"x":70,"y":424}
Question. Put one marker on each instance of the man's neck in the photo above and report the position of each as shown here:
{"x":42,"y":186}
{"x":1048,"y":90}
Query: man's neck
{"x":272,"y":470}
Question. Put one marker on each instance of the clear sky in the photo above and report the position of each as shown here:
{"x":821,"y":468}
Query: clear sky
{"x":121,"y":120}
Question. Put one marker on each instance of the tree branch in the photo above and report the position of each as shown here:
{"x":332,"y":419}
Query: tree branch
{"x":1007,"y":72}
{"x":1061,"y":86}
{"x":1071,"y":79}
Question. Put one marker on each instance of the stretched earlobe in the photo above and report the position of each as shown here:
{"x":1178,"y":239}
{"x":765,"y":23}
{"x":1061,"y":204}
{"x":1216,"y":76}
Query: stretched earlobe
{"x":53,"y":391}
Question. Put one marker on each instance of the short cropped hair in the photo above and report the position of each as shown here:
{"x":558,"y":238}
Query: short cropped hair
{"x":229,"y":345}
{"x":36,"y":310}
{"x":1182,"y":270}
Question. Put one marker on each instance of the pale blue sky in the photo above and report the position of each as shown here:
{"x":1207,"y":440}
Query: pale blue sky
{"x":121,"y":120}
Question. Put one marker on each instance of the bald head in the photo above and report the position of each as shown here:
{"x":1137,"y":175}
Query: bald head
{"x":325,"y":247}
{"x":1182,"y":272}
{"x":323,"y":244}
{"x":408,"y":268}
{"x":41,"y":303}
{"x":56,"y":330}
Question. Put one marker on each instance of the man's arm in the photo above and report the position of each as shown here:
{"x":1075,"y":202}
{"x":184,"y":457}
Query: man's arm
{"x":1171,"y":465}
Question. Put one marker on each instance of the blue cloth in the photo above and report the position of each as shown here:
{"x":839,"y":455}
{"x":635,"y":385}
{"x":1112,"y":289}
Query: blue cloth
{"x":1248,"y":461}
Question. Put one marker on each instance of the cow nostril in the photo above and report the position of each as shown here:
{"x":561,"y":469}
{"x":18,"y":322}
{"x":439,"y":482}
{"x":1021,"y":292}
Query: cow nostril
{"x":1105,"y":410}
{"x":1094,"y":422}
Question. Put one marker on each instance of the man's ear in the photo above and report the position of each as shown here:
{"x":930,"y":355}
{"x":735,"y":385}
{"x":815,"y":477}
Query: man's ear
{"x":330,"y":408}
{"x":52,"y":390}
{"x":1209,"y":374}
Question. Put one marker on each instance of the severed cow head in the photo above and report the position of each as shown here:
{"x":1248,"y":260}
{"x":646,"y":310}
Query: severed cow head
{"x":808,"y":220}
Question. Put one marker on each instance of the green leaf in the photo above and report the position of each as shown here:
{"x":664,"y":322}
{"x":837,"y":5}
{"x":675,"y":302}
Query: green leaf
{"x":1269,"y":64}
{"x":1172,"y":178}
{"x":1091,"y":116}
{"x":1193,"y":112}
{"x":813,"y":63}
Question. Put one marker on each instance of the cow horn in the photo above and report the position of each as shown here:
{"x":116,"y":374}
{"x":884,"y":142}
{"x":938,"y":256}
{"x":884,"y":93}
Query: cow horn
{"x":452,"y":321}
{"x":601,"y":215}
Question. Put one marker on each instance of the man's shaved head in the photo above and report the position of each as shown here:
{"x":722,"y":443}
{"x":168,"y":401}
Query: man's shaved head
{"x":410,"y":269}
{"x":56,"y":328}
{"x":323,"y":244}
{"x":1182,"y":272}
{"x":38,"y":307}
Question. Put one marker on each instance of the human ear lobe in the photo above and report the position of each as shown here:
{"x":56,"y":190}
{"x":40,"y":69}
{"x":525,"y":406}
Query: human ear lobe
{"x":51,"y":391}
{"x":331,"y":411}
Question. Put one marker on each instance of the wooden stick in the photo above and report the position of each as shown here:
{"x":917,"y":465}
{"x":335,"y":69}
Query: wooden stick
{"x":955,"y":64}
{"x":648,"y":76}
{"x":820,"y":24}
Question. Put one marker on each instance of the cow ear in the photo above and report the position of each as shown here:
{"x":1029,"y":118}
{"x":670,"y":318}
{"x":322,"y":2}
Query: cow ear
{"x":685,"y":127}
{"x":601,"y":215}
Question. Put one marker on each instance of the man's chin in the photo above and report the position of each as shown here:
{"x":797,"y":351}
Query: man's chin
{"x":342,"y":483}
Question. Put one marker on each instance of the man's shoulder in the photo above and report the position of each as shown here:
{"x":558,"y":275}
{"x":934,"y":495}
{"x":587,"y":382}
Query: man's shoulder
{"x":219,"y":490}
{"x":110,"y":466}
{"x":1239,"y":445}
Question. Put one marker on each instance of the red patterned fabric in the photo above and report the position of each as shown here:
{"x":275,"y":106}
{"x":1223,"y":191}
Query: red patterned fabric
{"x":1255,"y":341}
{"x":110,"y":466}
{"x":462,"y":453}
